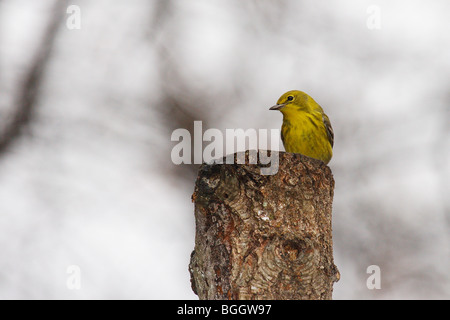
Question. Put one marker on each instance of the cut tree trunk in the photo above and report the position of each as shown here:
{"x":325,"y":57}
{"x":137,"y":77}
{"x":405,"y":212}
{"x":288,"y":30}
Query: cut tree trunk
{"x":264,"y":236}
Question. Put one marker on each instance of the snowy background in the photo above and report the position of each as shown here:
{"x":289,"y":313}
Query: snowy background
{"x":86,"y":116}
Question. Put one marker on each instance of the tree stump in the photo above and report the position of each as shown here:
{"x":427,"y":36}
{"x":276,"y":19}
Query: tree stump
{"x":264,"y":236}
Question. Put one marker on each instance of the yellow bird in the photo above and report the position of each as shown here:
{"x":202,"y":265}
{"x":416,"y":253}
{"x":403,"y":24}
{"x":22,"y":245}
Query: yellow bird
{"x":306,"y":128}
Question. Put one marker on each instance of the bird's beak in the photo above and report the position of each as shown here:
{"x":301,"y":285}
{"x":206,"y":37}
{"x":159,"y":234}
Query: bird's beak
{"x":277,"y":107}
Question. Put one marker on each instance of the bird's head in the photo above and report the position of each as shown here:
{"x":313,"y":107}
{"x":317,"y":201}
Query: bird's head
{"x":293,"y":101}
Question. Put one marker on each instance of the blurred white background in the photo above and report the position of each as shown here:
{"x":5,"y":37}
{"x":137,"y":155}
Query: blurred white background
{"x":86,"y":116}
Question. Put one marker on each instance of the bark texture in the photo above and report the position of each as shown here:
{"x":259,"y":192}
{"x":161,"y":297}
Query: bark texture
{"x":264,"y":236}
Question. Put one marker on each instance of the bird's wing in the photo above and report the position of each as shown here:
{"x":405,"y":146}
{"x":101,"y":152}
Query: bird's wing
{"x":329,"y":129}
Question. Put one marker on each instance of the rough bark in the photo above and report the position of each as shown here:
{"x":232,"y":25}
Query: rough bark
{"x":264,"y":236}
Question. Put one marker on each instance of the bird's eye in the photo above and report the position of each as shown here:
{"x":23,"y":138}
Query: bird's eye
{"x":290,"y":98}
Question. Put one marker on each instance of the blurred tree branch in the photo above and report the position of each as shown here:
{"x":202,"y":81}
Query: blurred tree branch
{"x":177,"y":102}
{"x":28,"y":92}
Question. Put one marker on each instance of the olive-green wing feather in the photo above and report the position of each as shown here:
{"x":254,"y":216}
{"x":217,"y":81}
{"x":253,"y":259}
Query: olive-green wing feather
{"x":329,"y":129}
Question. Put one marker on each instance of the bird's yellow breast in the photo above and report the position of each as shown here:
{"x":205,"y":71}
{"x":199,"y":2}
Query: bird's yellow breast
{"x":305,"y":133}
